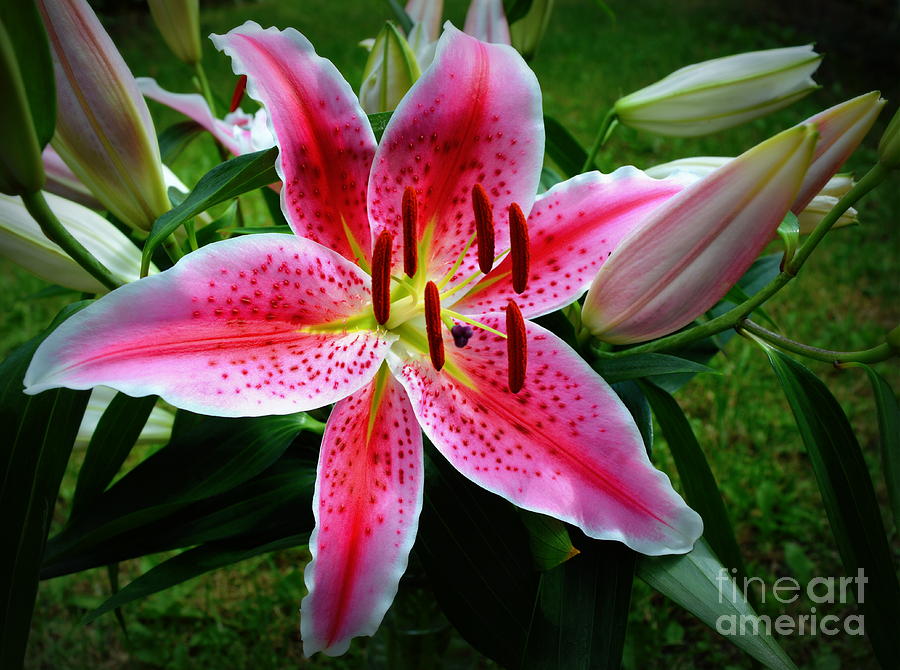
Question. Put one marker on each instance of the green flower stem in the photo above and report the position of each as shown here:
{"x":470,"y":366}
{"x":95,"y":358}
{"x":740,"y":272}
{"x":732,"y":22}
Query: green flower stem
{"x":737,"y":314}
{"x":606,"y":127}
{"x":880,"y":353}
{"x":56,"y":232}
{"x":205,"y":90}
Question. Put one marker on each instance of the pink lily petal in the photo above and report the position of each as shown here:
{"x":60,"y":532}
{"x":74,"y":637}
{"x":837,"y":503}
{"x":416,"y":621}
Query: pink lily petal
{"x":473,"y":117}
{"x":244,"y":327}
{"x":193,"y":106}
{"x":573,"y":228}
{"x":367,"y":502}
{"x":565,"y":445}
{"x":486,"y":21}
{"x":841,"y":129}
{"x":324,"y":138}
{"x":698,"y":244}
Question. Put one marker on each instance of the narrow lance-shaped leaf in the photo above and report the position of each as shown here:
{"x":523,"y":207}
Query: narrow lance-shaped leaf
{"x":701,"y":490}
{"x":849,"y":500}
{"x":563,"y":148}
{"x":646,"y":365}
{"x":702,"y":585}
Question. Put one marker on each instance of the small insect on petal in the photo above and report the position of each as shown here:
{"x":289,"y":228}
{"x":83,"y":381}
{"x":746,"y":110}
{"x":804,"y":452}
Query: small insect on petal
{"x":410,"y":211}
{"x":484,"y":228}
{"x":518,"y":248}
{"x":238,"y":94}
{"x":516,"y":347}
{"x":381,"y":277}
{"x":433,"y":325}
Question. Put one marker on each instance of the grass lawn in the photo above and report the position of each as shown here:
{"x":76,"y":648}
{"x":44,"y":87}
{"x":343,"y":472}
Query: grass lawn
{"x":845,"y":298}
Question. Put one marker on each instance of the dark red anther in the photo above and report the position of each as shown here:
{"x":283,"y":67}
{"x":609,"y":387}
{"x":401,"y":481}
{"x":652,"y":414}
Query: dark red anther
{"x":484,"y":228}
{"x":381,"y":277}
{"x":518,"y":248}
{"x":238,"y":94}
{"x":410,"y":211}
{"x":433,"y":325}
{"x":516,"y":347}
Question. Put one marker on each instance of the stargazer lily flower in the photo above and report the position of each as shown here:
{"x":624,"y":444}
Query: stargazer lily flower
{"x":404,"y":298}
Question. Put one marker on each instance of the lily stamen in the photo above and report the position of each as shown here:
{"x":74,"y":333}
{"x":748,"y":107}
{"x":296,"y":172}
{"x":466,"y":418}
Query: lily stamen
{"x":238,"y":94}
{"x":518,"y":248}
{"x":381,"y":278}
{"x":484,"y":228}
{"x":410,"y":215}
{"x":516,"y":347}
{"x":433,"y":325}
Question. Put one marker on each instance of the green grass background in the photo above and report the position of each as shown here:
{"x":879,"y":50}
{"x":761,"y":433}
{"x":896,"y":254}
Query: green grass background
{"x":845,"y":298}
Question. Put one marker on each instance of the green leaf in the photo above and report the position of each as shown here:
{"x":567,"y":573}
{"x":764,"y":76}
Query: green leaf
{"x":789,"y":232}
{"x":549,"y":540}
{"x":401,"y":15}
{"x":646,"y":365}
{"x":700,"y":487}
{"x":379,"y":122}
{"x":849,"y":500}
{"x":582,"y":612}
{"x":549,"y":179}
{"x":516,"y":9}
{"x":701,"y":584}
{"x":214,"y":231}
{"x":563,"y":148}
{"x":636,"y":402}
{"x":210,"y":458}
{"x":195,"y":562}
{"x":39,"y":432}
{"x":29,"y":41}
{"x":889,"y":429}
{"x":175,"y":139}
{"x":223,"y":182}
{"x":279,"y":497}
{"x":475,"y":550}
{"x":273,"y":204}
{"x":115,"y":435}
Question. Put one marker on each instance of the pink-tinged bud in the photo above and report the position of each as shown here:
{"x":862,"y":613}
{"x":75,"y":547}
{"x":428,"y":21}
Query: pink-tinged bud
{"x":390,"y":72}
{"x":426,"y":13}
{"x":103,"y":129}
{"x":63,"y":182}
{"x":486,"y":21}
{"x":841,"y":128}
{"x":889,"y":146}
{"x":693,"y":249}
{"x":713,"y":95}
{"x":20,"y":160}
{"x":179,"y":24}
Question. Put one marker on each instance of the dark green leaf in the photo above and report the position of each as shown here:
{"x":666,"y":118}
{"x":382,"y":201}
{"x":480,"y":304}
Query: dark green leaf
{"x":214,"y":231}
{"x":701,"y":584}
{"x":273,"y":204}
{"x":557,"y":323}
{"x":175,"y":139}
{"x":223,"y":182}
{"x":636,"y":402}
{"x":379,"y":122}
{"x":475,"y":550}
{"x":889,"y":429}
{"x":563,"y":148}
{"x":700,"y":487}
{"x":645,"y":365}
{"x":401,"y":15}
{"x":29,"y":41}
{"x":211,"y":458}
{"x":195,"y":562}
{"x":849,"y":500}
{"x":39,"y":432}
{"x":549,"y":179}
{"x":516,"y":9}
{"x":582,"y":612}
{"x":256,"y":230}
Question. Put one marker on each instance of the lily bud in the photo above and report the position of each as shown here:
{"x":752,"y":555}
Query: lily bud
{"x":526,"y":33}
{"x":179,"y":23}
{"x":889,"y":146}
{"x":20,"y":161}
{"x":103,"y":131}
{"x":23,"y":242}
{"x":391,"y":70}
{"x":713,"y":95}
{"x":809,"y":216}
{"x":486,"y":21}
{"x":693,"y":248}
{"x":426,"y":18}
